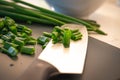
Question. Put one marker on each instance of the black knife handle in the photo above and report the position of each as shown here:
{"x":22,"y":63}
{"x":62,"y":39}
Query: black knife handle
{"x":39,"y":70}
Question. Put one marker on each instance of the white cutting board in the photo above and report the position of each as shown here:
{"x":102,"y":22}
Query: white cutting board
{"x":67,"y":60}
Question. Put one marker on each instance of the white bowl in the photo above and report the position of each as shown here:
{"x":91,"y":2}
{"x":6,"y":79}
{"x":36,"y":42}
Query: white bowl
{"x":75,"y":8}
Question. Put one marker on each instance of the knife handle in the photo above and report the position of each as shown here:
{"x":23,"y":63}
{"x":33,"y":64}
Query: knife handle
{"x":38,"y":70}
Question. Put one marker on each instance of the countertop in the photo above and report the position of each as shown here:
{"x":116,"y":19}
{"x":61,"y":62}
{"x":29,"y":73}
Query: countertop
{"x":100,"y":58}
{"x":108,"y":16}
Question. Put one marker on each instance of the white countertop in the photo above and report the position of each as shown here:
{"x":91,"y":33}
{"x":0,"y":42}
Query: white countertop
{"x":108,"y":16}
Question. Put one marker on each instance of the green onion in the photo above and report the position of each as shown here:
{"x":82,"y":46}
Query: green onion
{"x":11,"y":51}
{"x":19,"y":42}
{"x":47,"y":34}
{"x":43,"y":46}
{"x":7,"y":45}
{"x":5,"y":38}
{"x":11,"y":35}
{"x":55,"y":37}
{"x":42,"y":40}
{"x":13,"y":29}
{"x":9,"y":21}
{"x":3,"y":50}
{"x":1,"y":24}
{"x":1,"y":41}
{"x":28,"y":50}
{"x":31,"y":42}
{"x":66,"y":38}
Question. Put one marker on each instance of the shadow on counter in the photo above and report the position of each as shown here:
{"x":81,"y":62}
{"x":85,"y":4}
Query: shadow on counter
{"x":66,"y":77}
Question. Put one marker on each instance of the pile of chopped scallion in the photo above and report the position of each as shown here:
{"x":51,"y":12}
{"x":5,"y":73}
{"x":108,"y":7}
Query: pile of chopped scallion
{"x":60,"y":35}
{"x":15,"y":38}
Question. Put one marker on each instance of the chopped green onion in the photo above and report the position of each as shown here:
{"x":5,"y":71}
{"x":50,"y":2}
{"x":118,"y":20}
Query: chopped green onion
{"x":28,"y":50}
{"x":42,"y":40}
{"x":66,"y":37}
{"x":12,"y":51}
{"x":7,"y":45}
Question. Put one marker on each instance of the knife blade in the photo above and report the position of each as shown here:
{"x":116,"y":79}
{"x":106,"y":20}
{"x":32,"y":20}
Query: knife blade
{"x":67,"y":60}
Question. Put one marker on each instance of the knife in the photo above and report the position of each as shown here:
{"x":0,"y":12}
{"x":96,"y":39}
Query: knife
{"x":55,"y":59}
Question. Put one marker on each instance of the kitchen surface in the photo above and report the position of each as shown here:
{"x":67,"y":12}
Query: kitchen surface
{"x":108,"y":16}
{"x":103,"y":54}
